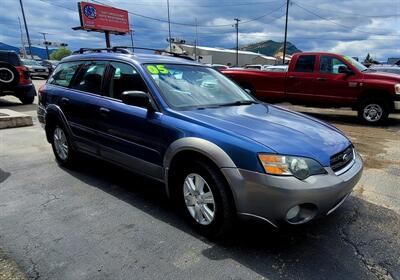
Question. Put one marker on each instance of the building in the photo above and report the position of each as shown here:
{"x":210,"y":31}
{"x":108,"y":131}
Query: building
{"x":221,"y":56}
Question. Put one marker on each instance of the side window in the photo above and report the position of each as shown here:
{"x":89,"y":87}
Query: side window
{"x":90,"y":77}
{"x":305,"y":63}
{"x":329,"y":64}
{"x":64,"y":73}
{"x":124,"y":77}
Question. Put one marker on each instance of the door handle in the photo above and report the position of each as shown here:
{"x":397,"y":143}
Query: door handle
{"x":292,"y":77}
{"x":64,"y":101}
{"x":321,"y":79}
{"x":104,"y":111}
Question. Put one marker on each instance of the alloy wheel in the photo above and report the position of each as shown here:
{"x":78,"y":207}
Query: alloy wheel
{"x":60,"y":143}
{"x":373,"y":112}
{"x":199,"y":199}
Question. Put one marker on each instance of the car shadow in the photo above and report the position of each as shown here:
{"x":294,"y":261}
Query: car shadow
{"x":358,"y":241}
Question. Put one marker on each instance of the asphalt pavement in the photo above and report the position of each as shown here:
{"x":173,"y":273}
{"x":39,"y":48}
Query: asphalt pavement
{"x":100,"y":222}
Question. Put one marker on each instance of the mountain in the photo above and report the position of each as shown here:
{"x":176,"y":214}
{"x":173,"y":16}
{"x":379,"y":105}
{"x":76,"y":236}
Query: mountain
{"x":270,"y":48}
{"x":40,"y":52}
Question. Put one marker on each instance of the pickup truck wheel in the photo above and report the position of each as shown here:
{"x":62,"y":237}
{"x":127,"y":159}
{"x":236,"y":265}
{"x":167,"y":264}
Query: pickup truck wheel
{"x":61,"y":145}
{"x":373,"y":111}
{"x":204,"y":200}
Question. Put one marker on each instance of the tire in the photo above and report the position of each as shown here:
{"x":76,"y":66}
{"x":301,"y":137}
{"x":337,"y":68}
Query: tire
{"x":65,"y":155}
{"x":27,"y":99}
{"x":9,"y":76}
{"x":373,"y":111}
{"x":224,"y":215}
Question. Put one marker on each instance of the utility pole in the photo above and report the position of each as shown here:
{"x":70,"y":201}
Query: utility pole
{"x":22,"y":39}
{"x":237,"y":41}
{"x":169,"y":28}
{"x":195,"y":42}
{"x":131,"y":32}
{"x":26,"y":28}
{"x":286,"y":24}
{"x":45,"y":43}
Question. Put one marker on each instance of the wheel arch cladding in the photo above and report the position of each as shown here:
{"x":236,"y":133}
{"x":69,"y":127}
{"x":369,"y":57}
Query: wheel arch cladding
{"x":199,"y":146}
{"x":54,"y":114}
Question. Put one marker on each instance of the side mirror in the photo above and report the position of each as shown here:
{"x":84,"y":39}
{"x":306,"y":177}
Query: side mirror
{"x":345,"y":70}
{"x":136,"y":98}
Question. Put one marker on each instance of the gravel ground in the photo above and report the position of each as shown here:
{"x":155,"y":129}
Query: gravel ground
{"x":100,"y":222}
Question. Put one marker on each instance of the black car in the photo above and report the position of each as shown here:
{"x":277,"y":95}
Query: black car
{"x":14,"y":78}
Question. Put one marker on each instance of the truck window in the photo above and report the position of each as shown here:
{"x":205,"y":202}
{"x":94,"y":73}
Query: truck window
{"x":305,"y":63}
{"x":329,"y":64}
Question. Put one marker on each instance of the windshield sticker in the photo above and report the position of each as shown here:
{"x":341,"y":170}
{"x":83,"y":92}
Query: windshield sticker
{"x":157,"y":69}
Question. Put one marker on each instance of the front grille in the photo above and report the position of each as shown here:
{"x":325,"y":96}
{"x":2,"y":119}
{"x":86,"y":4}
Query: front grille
{"x":342,"y":159}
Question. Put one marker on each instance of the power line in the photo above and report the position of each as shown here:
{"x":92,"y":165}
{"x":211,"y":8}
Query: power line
{"x":351,"y":15}
{"x":337,"y":23}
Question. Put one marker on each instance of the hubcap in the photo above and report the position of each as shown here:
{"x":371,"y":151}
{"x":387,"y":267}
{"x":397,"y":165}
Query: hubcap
{"x":199,"y":199}
{"x":373,"y":112}
{"x":60,"y":143}
{"x":6,"y":75}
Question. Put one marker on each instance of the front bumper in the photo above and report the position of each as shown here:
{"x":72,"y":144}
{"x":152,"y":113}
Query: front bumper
{"x":270,"y":197}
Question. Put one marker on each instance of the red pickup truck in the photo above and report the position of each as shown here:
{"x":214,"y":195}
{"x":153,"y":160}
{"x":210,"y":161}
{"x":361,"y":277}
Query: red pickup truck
{"x":326,"y":80}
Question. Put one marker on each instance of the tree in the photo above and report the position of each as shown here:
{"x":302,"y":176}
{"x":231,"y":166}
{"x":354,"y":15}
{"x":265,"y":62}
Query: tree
{"x":60,"y":53}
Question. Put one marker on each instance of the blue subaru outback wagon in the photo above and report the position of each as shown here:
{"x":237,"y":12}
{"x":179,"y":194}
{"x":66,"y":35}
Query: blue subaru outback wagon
{"x":220,"y":153}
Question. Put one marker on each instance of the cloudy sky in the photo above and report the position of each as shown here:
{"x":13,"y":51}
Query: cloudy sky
{"x":352,"y":27}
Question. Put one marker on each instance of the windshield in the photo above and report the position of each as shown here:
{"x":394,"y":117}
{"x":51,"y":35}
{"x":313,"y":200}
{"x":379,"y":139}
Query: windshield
{"x":31,"y":62}
{"x":184,"y":86}
{"x":355,"y":63}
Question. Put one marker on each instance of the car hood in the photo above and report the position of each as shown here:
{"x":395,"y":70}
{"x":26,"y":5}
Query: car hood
{"x":279,"y":129}
{"x":382,"y":76}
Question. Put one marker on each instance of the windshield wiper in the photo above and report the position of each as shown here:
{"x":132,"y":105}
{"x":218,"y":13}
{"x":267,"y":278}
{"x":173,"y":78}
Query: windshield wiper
{"x":239,"y":103}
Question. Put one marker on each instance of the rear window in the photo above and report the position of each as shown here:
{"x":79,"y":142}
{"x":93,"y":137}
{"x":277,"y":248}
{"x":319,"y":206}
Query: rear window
{"x":305,"y":63}
{"x":64,"y":73}
{"x":11,"y":58}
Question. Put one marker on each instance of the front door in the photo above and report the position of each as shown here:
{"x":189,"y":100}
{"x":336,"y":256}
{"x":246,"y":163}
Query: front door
{"x":333,"y":87}
{"x":130,"y":135}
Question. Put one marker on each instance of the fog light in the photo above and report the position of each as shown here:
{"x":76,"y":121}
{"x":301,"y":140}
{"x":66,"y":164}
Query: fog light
{"x":293,"y":212}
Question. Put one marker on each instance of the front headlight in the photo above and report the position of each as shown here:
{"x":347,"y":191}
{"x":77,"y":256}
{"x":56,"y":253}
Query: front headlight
{"x":299,"y":167}
{"x":397,"y":88}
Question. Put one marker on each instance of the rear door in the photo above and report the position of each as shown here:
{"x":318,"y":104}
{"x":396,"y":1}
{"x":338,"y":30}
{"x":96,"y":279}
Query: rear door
{"x":80,"y":85}
{"x":300,"y":81}
{"x":334,"y":87}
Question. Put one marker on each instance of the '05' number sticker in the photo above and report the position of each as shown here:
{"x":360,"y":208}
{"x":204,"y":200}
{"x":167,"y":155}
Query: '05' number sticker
{"x":157,"y":69}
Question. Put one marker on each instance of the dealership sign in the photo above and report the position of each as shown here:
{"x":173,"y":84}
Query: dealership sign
{"x":103,"y":18}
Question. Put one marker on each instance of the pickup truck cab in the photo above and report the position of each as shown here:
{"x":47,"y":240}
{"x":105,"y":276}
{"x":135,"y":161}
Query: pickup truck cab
{"x":326,"y":80}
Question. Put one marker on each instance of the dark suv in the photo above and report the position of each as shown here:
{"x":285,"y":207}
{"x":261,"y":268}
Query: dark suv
{"x":14,"y":78}
{"x":219,"y":152}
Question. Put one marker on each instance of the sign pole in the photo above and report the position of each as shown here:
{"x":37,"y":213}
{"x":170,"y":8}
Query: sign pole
{"x":107,"y":35}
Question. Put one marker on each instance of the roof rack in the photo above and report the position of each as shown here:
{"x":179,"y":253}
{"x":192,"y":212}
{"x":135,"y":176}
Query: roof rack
{"x":124,"y":50}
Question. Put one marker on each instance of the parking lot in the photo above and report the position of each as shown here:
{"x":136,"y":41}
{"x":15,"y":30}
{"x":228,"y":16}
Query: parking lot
{"x":100,"y":222}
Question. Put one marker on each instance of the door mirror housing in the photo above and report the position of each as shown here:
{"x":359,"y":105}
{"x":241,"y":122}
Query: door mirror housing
{"x":345,"y":70}
{"x":136,"y":98}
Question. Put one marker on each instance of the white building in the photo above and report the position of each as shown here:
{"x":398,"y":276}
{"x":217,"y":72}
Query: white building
{"x":222,"y":56}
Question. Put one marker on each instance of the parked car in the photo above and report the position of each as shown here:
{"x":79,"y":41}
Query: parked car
{"x":14,"y":78}
{"x":386,"y":68}
{"x":35,"y":68}
{"x":255,"y":66}
{"x":327,"y":80}
{"x":220,"y":153}
{"x":218,"y":66}
{"x":276,"y":68}
{"x":49,"y":64}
